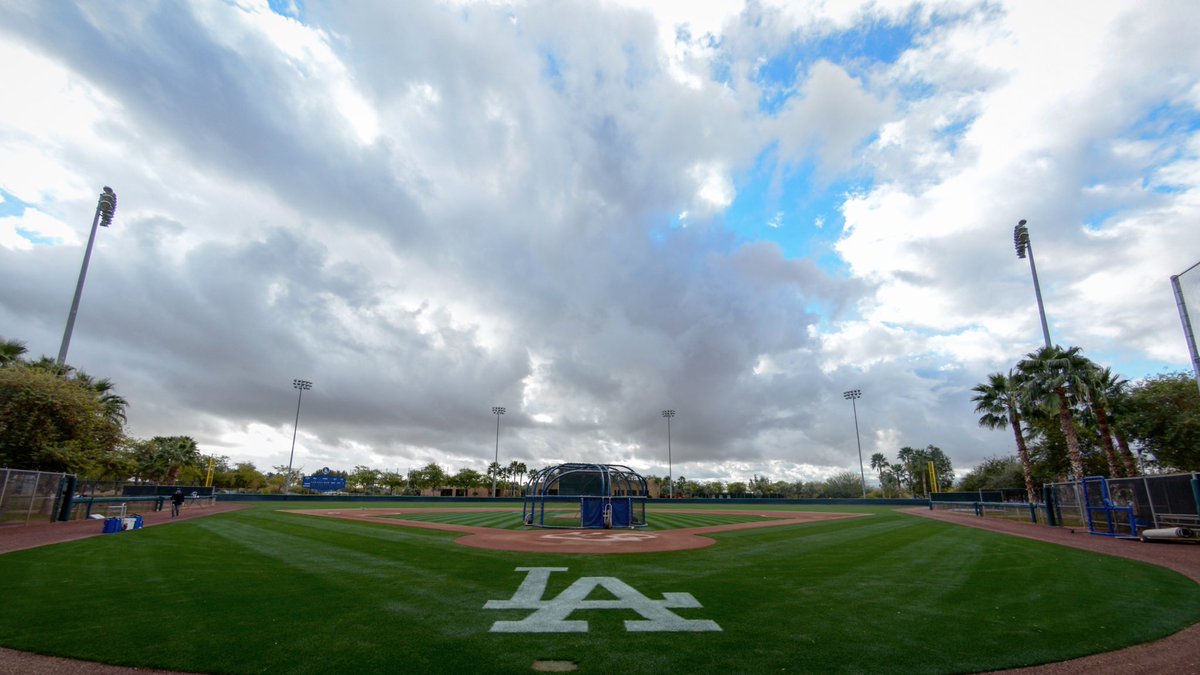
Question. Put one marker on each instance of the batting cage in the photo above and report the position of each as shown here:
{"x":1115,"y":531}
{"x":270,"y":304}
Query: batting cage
{"x":1124,"y":507}
{"x":606,"y":495}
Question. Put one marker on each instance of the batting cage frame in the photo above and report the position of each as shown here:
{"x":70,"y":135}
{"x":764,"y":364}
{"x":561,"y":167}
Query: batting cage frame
{"x":608,"y":495}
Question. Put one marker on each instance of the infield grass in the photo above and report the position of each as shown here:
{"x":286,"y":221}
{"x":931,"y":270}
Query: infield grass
{"x":266,"y":591}
{"x":511,"y":520}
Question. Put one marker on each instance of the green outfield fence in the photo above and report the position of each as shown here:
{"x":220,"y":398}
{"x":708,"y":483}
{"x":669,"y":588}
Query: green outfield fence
{"x":86,"y":507}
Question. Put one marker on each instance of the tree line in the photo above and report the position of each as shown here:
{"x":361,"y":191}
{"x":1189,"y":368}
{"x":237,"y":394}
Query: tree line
{"x":54,"y":417}
{"x":1071,"y":418}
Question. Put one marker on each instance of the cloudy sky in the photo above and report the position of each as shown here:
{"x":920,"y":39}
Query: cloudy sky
{"x":589,"y":212}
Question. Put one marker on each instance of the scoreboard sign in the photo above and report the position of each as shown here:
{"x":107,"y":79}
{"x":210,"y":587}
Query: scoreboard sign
{"x":324,"y":481}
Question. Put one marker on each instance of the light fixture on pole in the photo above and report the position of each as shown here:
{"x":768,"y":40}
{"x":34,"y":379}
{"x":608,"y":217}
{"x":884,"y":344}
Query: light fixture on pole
{"x":1024,"y":246}
{"x":497,"y":411}
{"x":105,"y":208}
{"x":853,"y":395}
{"x":302,"y":385}
{"x":670,"y":477}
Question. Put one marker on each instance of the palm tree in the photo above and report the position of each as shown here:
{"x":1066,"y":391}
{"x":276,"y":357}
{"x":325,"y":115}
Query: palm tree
{"x":1099,"y":382}
{"x":114,"y":405}
{"x":11,"y":351}
{"x":879,"y":463}
{"x":1116,"y":398}
{"x":1051,"y":377}
{"x":174,"y":453}
{"x":51,"y":366}
{"x":494,"y":472}
{"x":517,"y":470}
{"x":999,"y":402}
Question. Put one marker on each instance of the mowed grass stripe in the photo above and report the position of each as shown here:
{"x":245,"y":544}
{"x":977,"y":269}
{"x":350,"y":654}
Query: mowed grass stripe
{"x":512,"y":520}
{"x":671,"y":521}
{"x":507,"y":520}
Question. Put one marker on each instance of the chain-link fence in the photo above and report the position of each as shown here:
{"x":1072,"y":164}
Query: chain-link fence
{"x":1000,"y":495}
{"x":1170,"y":500}
{"x":1114,"y":506}
{"x":30,"y":496}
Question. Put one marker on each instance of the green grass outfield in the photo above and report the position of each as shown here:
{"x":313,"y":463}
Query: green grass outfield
{"x":264,"y":591}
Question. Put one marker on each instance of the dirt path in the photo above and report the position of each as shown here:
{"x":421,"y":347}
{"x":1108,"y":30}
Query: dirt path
{"x":17,"y":537}
{"x":579,"y":541}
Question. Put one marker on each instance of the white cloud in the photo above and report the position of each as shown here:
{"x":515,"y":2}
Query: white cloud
{"x":34,"y":227}
{"x":714,"y":189}
{"x":432,"y":209}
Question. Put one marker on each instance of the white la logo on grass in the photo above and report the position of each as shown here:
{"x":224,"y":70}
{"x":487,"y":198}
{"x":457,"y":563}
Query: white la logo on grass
{"x":551,"y":615}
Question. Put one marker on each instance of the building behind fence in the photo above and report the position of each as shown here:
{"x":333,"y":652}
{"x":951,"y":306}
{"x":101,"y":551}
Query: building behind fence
{"x":32,"y":496}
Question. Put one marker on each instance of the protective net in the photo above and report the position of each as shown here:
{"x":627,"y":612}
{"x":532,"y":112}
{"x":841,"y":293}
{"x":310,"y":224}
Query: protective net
{"x":1189,"y":288}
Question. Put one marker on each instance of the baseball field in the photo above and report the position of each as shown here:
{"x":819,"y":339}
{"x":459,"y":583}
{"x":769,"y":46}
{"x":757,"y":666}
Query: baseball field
{"x":267,"y":589}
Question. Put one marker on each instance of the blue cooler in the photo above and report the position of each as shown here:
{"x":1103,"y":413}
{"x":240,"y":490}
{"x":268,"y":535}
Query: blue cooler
{"x":112,"y":525}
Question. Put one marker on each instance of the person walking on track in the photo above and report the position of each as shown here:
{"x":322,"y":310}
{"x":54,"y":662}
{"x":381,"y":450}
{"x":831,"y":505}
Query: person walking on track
{"x":176,"y":502}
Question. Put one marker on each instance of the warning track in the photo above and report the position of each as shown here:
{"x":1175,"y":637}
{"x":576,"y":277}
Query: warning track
{"x":538,"y":540}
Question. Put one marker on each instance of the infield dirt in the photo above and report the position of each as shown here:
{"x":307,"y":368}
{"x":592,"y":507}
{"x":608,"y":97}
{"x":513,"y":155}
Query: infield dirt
{"x":581,"y":541}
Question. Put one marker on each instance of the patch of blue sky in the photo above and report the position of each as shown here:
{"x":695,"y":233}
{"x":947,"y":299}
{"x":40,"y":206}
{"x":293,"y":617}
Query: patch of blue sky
{"x":1167,"y":189}
{"x":10,"y":205}
{"x":793,"y":210}
{"x":721,"y":71}
{"x":915,"y":90}
{"x":293,"y":9}
{"x":855,"y":50}
{"x":954,"y":131}
{"x":1169,"y":124}
{"x":37,"y":239}
{"x":1094,"y":220}
{"x":1167,"y":119}
{"x":551,"y":70}
{"x":1138,"y":369}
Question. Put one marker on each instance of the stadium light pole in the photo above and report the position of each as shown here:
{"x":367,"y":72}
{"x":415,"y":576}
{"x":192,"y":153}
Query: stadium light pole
{"x":1024,"y":246}
{"x":106,"y":206}
{"x":853,"y":395}
{"x":497,"y":411}
{"x":670,"y":472}
{"x":302,"y":385}
{"x":1187,"y":322}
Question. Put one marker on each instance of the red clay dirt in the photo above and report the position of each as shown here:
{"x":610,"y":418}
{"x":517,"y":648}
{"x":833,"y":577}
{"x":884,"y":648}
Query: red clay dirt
{"x":17,"y":537}
{"x":1178,"y":654}
{"x":580,"y":541}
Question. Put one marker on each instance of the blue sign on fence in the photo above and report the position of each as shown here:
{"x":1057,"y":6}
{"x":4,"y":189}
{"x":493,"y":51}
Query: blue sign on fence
{"x":323,"y":481}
